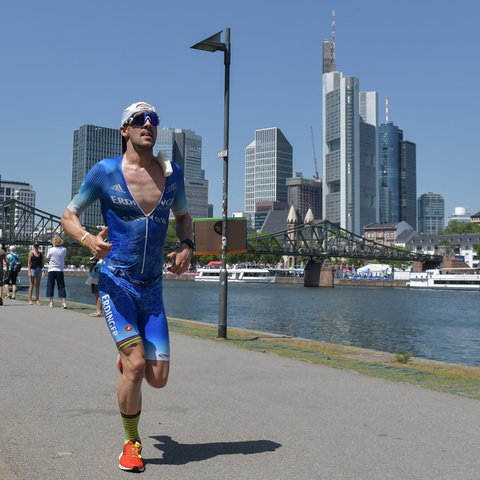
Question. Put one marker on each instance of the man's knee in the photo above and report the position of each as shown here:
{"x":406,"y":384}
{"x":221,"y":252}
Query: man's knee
{"x":157,"y":382}
{"x":134,"y":367}
{"x":156,"y":374}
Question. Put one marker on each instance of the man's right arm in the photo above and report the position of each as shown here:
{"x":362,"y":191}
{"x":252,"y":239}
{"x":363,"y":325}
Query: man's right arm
{"x":95,"y":243}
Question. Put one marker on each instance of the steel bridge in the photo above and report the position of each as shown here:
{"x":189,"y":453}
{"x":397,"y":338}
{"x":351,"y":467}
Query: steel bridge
{"x":326,"y":240}
{"x":22,"y":224}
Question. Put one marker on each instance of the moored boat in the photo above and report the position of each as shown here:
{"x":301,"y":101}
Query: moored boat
{"x":439,"y":279}
{"x":236,"y":274}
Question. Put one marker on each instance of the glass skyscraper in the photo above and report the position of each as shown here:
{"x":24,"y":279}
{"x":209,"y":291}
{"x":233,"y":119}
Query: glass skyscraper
{"x":185,"y":148}
{"x":397,"y":177}
{"x":431,"y":213}
{"x":408,"y":182}
{"x":268,"y":164}
{"x":90,"y":145}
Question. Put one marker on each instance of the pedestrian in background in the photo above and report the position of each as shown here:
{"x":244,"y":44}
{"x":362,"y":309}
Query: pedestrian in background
{"x":35,"y":273}
{"x":14,"y":267}
{"x":92,"y":280}
{"x":56,"y":265}
{"x":3,"y":260}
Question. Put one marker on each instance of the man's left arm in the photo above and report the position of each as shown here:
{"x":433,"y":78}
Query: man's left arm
{"x":181,"y":256}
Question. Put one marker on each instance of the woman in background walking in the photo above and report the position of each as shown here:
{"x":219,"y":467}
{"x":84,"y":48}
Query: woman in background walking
{"x":56,"y":264}
{"x":35,"y":273}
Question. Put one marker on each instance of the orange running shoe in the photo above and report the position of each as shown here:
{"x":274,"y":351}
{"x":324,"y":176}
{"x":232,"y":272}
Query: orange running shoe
{"x":131,"y":458}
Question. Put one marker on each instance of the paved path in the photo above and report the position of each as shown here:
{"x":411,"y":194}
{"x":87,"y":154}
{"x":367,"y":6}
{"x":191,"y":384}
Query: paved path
{"x":227,"y":413}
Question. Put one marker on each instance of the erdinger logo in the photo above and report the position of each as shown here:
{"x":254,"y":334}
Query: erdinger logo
{"x":172,"y":187}
{"x":167,"y":202}
{"x":107,"y":310}
{"x":121,"y":201}
{"x":156,"y":219}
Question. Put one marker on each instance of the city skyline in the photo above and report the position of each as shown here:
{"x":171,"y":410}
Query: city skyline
{"x":403,"y":51}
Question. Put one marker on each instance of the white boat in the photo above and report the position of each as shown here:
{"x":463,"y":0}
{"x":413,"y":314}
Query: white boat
{"x":445,"y":280}
{"x":236,"y":274}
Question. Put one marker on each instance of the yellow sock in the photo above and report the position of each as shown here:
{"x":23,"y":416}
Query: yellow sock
{"x":130,"y":426}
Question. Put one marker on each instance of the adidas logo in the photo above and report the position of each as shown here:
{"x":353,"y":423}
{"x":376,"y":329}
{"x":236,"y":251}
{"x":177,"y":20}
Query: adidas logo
{"x":117,"y":188}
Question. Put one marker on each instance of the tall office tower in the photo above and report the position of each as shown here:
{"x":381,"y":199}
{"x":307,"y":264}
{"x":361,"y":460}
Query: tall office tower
{"x":389,"y":173}
{"x":368,"y":158}
{"x":90,"y":145}
{"x":397,"y":176}
{"x":268,"y":164}
{"x":350,"y":148}
{"x":185,"y":148}
{"x":408,"y":182}
{"x":23,"y":192}
{"x":305,"y":194}
{"x":431,"y":213}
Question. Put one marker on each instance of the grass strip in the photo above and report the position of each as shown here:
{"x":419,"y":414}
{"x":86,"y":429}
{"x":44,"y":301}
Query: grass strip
{"x":443,"y":377}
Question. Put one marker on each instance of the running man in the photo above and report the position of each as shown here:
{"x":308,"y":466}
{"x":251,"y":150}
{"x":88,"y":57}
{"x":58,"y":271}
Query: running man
{"x":137,"y":191}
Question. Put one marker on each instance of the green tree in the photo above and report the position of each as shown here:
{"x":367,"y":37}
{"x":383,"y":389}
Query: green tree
{"x":456,"y":227}
{"x":171,"y":240}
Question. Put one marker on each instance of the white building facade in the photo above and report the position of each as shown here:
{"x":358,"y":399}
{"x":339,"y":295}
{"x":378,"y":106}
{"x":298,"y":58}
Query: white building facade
{"x":23,"y":192}
{"x":268,"y":164}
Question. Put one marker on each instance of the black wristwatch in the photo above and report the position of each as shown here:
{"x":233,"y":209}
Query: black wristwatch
{"x":188,"y":243}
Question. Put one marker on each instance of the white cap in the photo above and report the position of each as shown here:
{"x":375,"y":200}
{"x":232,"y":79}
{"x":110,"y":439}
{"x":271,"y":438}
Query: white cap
{"x":13,"y":248}
{"x":134,"y":108}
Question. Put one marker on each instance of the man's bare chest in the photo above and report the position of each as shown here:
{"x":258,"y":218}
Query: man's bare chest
{"x":145,"y":190}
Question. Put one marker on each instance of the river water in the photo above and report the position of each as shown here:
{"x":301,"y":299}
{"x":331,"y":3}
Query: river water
{"x":438,"y":325}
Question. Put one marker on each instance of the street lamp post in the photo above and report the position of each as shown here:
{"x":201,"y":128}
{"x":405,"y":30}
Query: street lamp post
{"x":213,"y":44}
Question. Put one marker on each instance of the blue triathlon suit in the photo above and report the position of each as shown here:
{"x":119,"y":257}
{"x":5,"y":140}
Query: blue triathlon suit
{"x":130,"y":280}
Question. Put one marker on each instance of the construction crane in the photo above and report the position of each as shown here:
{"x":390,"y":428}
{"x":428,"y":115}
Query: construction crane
{"x":316,"y":177}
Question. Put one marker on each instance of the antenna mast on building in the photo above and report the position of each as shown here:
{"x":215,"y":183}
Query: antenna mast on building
{"x":316,"y":177}
{"x":386,"y":109}
{"x":332,"y":46}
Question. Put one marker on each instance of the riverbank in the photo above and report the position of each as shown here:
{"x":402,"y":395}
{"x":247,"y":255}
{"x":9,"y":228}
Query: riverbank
{"x":279,"y":280}
{"x":299,"y":281}
{"x":444,"y":377}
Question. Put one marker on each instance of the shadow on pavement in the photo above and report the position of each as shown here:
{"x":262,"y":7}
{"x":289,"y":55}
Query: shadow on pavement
{"x":175,"y":453}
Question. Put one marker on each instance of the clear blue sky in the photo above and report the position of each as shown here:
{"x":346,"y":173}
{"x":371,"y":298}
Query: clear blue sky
{"x":68,"y":64}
